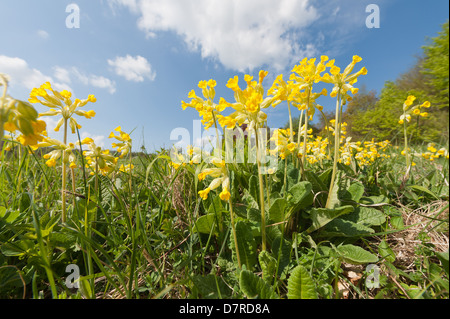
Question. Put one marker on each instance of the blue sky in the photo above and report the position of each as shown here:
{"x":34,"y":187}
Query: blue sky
{"x":140,"y":58}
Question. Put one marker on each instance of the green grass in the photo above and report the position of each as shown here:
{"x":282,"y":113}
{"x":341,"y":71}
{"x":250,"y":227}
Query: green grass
{"x":158,"y":239}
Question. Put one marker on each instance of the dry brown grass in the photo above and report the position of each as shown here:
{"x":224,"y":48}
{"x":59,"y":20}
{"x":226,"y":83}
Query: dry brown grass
{"x":431,"y":220}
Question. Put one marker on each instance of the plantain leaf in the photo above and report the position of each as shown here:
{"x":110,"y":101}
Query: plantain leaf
{"x":211,"y":286}
{"x":300,"y":195}
{"x":345,"y":228}
{"x":367,"y":216}
{"x":356,"y":255}
{"x":268,"y":265}
{"x":423,"y":189}
{"x":246,"y":245}
{"x":206,"y":224}
{"x":255,"y":287}
{"x":322,"y":216}
{"x":386,"y":252}
{"x":356,"y":191}
{"x":277,"y":210}
{"x":301,"y":285}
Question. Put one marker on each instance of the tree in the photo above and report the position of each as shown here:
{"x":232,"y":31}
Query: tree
{"x":436,"y":66}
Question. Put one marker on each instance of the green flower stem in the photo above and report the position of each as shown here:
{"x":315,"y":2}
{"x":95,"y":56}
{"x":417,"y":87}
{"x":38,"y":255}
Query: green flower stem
{"x":290,"y":123}
{"x":406,"y":145}
{"x":64,"y":177}
{"x":234,"y":233}
{"x":305,"y":134}
{"x":261,"y":192}
{"x":337,"y":139}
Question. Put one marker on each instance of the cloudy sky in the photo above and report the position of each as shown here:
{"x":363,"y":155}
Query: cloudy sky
{"x":140,"y":58}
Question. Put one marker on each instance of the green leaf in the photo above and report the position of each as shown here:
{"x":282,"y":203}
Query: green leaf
{"x":373,"y":200}
{"x":322,"y":216}
{"x":423,"y":189}
{"x":386,"y":252}
{"x":211,"y":286}
{"x":333,"y":200}
{"x":301,"y":195}
{"x":268,"y":265}
{"x":282,"y":255}
{"x":246,"y":245}
{"x":356,"y":255}
{"x":206,"y":224}
{"x":277,"y":210}
{"x":367,"y":216}
{"x":356,"y":191}
{"x":255,"y":287}
{"x":443,"y":257}
{"x":345,"y":228}
{"x":17,"y":248}
{"x":301,"y":285}
{"x":253,"y":187}
{"x":8,"y":217}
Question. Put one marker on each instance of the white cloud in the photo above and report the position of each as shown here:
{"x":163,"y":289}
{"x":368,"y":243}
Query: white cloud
{"x":242,"y":35}
{"x":66,"y":75}
{"x":99,"y":140}
{"x":43,"y":34}
{"x":22,"y":74}
{"x":133,"y":68}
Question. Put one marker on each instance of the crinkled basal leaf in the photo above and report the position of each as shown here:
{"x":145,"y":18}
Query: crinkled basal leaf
{"x":344,"y":228}
{"x":367,"y":216}
{"x":211,"y":286}
{"x":246,"y":245}
{"x":301,"y":285}
{"x":356,"y":255}
{"x":268,"y":265}
{"x":277,"y":211}
{"x":322,"y":216}
{"x":301,"y":195}
{"x":255,"y":287}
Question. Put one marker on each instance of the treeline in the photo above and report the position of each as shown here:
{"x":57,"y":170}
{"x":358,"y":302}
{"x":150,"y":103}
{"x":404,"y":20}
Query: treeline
{"x":370,"y":115}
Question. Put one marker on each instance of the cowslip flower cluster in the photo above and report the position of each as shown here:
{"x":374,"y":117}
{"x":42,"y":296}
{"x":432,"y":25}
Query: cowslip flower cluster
{"x":343,"y":82}
{"x":207,"y":109}
{"x":283,"y":146}
{"x":249,"y":102}
{"x":433,"y":153}
{"x":60,"y":103}
{"x":410,"y":109}
{"x":364,"y":154}
{"x":98,"y":160}
{"x":16,"y":115}
{"x":219,"y":173}
{"x":125,"y":142}
{"x":59,"y":149}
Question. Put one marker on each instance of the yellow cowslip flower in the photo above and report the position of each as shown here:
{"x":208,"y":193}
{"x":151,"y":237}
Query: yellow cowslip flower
{"x":98,"y":159}
{"x":410,"y":109}
{"x":59,"y":149}
{"x":126,"y":168}
{"x":60,"y":103}
{"x":283,"y":146}
{"x":21,"y":116}
{"x":126,"y":143}
{"x":307,"y":72}
{"x":343,"y":82}
{"x":343,"y":131}
{"x":206,"y":108}
{"x":219,"y":173}
{"x":249,"y":102}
